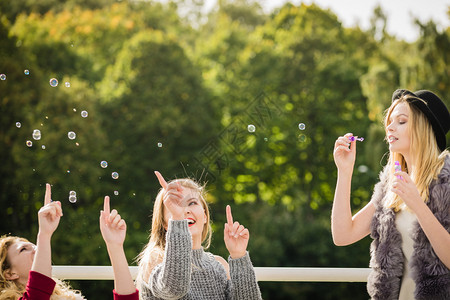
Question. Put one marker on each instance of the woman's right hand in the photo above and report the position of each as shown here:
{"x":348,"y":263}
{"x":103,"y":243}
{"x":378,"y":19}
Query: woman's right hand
{"x":344,"y":157}
{"x":49,"y":214}
{"x":172,"y":197}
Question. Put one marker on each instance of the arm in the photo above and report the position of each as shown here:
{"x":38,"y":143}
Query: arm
{"x":242,"y":274}
{"x":243,"y":278}
{"x":345,"y":228}
{"x":435,"y":232}
{"x":171,"y":278}
{"x":49,"y":216}
{"x":113,"y":229}
{"x":39,"y":287}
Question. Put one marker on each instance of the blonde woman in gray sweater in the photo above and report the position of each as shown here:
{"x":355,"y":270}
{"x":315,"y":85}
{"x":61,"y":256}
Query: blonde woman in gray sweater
{"x":174,"y":265}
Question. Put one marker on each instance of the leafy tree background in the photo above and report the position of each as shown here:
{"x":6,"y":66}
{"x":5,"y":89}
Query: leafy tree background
{"x":150,"y":73}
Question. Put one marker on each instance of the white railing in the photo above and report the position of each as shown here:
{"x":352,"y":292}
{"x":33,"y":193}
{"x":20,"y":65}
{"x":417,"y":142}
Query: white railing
{"x":262,"y":274}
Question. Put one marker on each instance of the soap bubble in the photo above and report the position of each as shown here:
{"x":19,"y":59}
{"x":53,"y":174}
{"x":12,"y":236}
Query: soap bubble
{"x":115,"y":175}
{"x":302,"y":138}
{"x":26,"y":72}
{"x":72,"y":193}
{"x":43,"y":147}
{"x":84,"y":114}
{"x":363,"y":169}
{"x":53,"y":82}
{"x":72,"y":199}
{"x":266,"y":139}
{"x":104,"y":164}
{"x":18,"y":124}
{"x":71,"y":135}
{"x":159,"y":145}
{"x":36,"y":134}
{"x":29,"y":143}
{"x":251,"y":128}
{"x":116,"y":193}
{"x":301,"y":126}
{"x":2,"y":77}
{"x":67,"y":84}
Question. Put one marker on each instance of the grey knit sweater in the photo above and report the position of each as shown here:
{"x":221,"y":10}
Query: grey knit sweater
{"x":195,"y":274}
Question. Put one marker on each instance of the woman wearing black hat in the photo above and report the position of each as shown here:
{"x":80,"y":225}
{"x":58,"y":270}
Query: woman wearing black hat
{"x":408,"y":215}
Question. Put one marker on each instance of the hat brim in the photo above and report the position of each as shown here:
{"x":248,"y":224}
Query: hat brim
{"x":420,"y":104}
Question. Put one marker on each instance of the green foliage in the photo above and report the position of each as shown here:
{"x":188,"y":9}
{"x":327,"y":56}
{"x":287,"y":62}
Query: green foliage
{"x":147,"y":75}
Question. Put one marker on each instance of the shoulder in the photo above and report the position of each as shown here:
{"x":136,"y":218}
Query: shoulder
{"x":224,"y":263}
{"x":444,"y":174}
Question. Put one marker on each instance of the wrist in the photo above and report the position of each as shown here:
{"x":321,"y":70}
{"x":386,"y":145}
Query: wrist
{"x":345,"y":174}
{"x":236,"y":255}
{"x":44,"y":236}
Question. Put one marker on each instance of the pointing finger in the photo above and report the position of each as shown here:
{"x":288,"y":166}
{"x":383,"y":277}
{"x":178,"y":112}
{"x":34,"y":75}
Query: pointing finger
{"x":48,"y":194}
{"x":106,"y":207}
{"x":161,"y":179}
{"x":229,"y":216}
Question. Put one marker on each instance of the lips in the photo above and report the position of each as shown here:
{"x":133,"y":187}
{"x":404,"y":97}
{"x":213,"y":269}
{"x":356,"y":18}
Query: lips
{"x":392,"y":139}
{"x":191,"y":222}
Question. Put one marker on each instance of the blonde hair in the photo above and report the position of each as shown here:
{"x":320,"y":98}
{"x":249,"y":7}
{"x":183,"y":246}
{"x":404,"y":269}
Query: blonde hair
{"x":153,"y":252}
{"x":13,"y":290}
{"x":425,"y":153}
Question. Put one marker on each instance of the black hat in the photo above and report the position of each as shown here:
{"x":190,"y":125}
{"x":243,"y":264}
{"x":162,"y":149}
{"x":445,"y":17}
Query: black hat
{"x":433,"y":108}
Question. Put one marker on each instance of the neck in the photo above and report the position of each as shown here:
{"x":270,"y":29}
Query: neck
{"x":196,"y":242}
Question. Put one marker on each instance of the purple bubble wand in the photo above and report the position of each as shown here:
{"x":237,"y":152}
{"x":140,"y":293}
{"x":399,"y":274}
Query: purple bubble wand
{"x":352,"y":138}
{"x":398,"y":168}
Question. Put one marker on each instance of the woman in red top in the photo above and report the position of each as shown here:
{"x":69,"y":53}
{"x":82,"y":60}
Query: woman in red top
{"x":26,"y":268}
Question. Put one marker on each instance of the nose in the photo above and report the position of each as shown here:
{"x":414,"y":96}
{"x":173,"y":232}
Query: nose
{"x":390,"y":127}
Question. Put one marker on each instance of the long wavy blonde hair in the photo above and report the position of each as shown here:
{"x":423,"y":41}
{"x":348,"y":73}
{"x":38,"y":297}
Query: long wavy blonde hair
{"x":153,"y":252}
{"x":425,"y":153}
{"x":13,"y":290}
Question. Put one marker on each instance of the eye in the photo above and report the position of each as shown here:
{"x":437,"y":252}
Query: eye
{"x":194,"y":202}
{"x":23,"y":249}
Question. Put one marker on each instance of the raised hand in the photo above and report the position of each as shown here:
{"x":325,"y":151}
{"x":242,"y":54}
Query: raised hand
{"x":235,"y":236}
{"x":49,"y":214}
{"x":112,"y":226}
{"x":344,"y":157}
{"x":172,"y":197}
{"x":405,"y":188}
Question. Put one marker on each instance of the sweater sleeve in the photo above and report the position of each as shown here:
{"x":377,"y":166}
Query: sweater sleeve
{"x":171,"y":278}
{"x":133,"y":296}
{"x":243,"y":279}
{"x":39,"y":287}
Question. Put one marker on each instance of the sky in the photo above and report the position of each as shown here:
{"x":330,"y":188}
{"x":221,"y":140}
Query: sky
{"x":400,"y":13}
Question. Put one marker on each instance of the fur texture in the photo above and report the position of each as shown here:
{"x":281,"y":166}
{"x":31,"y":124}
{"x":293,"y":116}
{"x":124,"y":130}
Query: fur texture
{"x":431,"y":276}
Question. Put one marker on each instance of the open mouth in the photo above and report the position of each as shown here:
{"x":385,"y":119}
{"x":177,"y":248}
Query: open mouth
{"x":392,"y":139}
{"x":191,"y":222}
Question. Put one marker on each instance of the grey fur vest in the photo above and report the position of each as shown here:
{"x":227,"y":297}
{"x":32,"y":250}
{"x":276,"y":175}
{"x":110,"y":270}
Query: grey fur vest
{"x":431,"y":276}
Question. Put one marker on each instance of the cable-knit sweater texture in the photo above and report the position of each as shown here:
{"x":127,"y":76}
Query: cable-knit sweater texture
{"x":195,"y":274}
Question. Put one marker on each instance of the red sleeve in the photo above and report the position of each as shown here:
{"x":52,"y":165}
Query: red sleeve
{"x":133,"y":296}
{"x":39,"y":287}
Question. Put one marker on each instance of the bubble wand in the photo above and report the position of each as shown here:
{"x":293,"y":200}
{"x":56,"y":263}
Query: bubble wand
{"x":352,"y":139}
{"x":398,"y":168}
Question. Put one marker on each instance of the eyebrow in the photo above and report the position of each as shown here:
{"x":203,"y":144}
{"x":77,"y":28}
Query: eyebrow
{"x":397,"y":116}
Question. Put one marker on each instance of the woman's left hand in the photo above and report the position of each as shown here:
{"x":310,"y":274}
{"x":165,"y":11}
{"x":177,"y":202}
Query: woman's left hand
{"x":112,"y":226}
{"x":49,"y":214}
{"x":405,"y":188}
{"x":236,"y":236}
